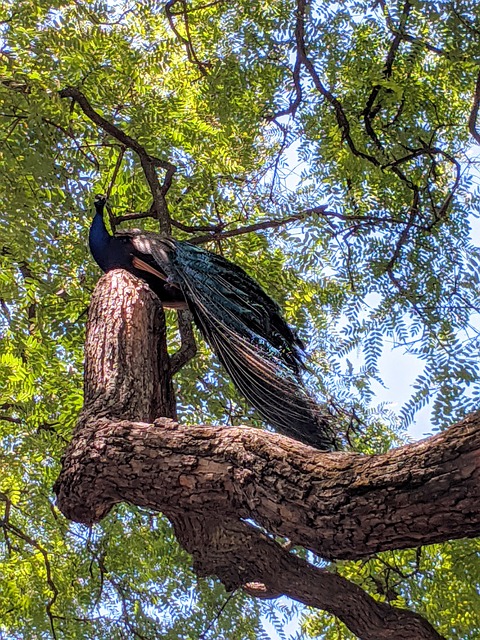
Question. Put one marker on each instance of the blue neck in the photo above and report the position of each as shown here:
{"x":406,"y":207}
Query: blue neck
{"x":99,"y":240}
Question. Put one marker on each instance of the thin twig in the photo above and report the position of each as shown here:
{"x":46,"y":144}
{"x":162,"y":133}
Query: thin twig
{"x":216,"y":618}
{"x":472,"y":121}
{"x":90,"y":157}
{"x":116,"y":169}
{"x":187,"y":42}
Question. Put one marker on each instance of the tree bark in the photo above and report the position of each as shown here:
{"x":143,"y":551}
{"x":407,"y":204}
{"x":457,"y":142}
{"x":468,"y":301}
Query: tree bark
{"x":127,"y":368}
{"x":208,"y":480}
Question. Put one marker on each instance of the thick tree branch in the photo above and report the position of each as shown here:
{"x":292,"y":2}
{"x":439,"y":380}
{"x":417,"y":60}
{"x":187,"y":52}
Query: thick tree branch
{"x":339,"y":505}
{"x":239,"y":555}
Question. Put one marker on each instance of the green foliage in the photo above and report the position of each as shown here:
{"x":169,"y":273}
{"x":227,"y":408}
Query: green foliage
{"x":389,"y":262}
{"x":439,"y":582}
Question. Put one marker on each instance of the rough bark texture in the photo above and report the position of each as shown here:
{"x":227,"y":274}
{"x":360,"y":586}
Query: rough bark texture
{"x":127,"y":368}
{"x":339,"y":505}
{"x":208,"y":479}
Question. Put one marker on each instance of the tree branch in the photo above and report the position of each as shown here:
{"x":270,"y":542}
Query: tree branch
{"x":126,"y":319}
{"x":294,"y":104}
{"x":8,"y":526}
{"x":404,"y":235}
{"x":472,"y":121}
{"x":368,"y":113}
{"x":148,"y":162}
{"x":338,"y":505}
{"x":241,"y":555}
{"x":187,"y":42}
{"x":340,"y":115}
{"x":188,"y":348}
{"x":258,"y":226}
{"x":321,"y":210}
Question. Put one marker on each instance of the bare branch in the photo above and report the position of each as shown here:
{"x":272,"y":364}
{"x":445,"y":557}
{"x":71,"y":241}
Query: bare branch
{"x":200,"y":7}
{"x":258,"y":226}
{"x":116,"y":169}
{"x":213,"y":228}
{"x":422,"y":43}
{"x":134,"y":216}
{"x":218,"y":232}
{"x":321,"y":210}
{"x":188,"y":348}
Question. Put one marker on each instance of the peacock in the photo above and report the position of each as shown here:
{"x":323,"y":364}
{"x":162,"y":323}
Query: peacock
{"x":242,"y":325}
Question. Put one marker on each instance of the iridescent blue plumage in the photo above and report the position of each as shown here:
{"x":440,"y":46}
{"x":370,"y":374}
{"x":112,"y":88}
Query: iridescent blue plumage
{"x":242,"y":325}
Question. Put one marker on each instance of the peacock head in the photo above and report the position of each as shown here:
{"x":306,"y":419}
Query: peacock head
{"x":99,"y":203}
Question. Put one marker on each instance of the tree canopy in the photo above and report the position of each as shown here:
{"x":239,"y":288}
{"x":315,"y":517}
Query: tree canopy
{"x":330,"y":150}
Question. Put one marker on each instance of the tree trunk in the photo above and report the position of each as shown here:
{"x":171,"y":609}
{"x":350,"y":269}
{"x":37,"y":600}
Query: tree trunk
{"x":127,"y":368}
{"x":209,"y":480}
